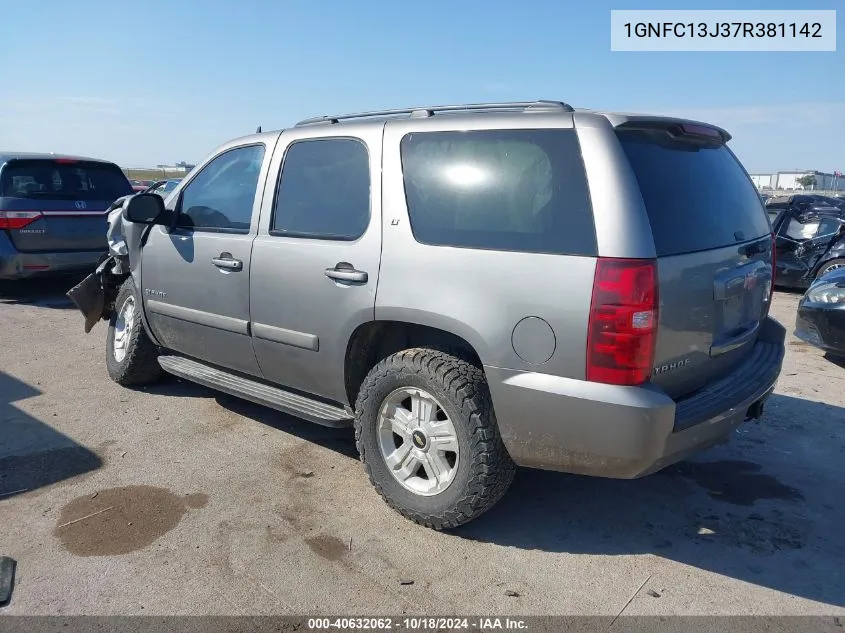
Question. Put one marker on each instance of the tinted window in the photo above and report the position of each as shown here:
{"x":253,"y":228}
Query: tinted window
{"x":697,"y":198}
{"x":222,"y":195}
{"x":324,"y":190}
{"x":59,"y":180}
{"x":516,"y":190}
{"x":828,"y":227}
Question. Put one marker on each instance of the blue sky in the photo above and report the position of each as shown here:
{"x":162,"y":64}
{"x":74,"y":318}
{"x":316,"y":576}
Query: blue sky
{"x":148,"y":82}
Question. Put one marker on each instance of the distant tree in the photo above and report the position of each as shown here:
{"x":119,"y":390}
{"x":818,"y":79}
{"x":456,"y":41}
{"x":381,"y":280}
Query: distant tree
{"x":807,"y":181}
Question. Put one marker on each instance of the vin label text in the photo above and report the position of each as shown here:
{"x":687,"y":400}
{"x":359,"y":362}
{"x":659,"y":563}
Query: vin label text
{"x":723,"y":30}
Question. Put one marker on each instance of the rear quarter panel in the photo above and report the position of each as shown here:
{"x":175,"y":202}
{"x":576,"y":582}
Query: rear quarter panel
{"x":480,"y":295}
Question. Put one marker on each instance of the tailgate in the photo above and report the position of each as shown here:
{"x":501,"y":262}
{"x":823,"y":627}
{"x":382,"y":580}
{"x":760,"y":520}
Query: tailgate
{"x":712,"y":305}
{"x":714,"y":253}
{"x":58,"y":205}
{"x":50,"y":225}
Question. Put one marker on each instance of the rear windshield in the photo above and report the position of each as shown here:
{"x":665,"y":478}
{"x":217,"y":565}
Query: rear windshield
{"x":54,"y":180}
{"x":697,"y":198}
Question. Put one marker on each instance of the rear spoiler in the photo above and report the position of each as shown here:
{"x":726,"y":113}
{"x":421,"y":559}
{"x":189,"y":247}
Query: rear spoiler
{"x":678,"y":128}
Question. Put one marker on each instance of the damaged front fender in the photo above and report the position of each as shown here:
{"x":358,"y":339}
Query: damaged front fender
{"x":95,"y":295}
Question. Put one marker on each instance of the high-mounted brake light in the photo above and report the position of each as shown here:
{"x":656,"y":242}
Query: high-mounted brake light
{"x":622,"y":329}
{"x":700,"y":130}
{"x":15,"y":220}
{"x":66,"y":161}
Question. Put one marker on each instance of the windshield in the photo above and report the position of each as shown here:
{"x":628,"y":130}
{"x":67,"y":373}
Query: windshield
{"x":63,"y":180}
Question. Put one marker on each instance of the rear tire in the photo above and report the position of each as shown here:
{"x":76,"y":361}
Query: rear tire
{"x":833,"y":264}
{"x":424,"y":397}
{"x":131,"y":357}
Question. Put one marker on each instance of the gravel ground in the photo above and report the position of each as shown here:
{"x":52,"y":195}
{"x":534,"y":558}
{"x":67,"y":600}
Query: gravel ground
{"x":198,"y":503}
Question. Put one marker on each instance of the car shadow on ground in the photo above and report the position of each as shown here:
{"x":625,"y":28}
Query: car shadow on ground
{"x":787,"y":290}
{"x":839,"y":361}
{"x":48,"y":292}
{"x":341,"y":441}
{"x":32,"y":453}
{"x":765,"y":508}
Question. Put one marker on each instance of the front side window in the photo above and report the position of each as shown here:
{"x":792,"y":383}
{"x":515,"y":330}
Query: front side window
{"x":222,"y":195}
{"x":324,"y":190}
{"x":512,"y":190}
{"x":828,"y":227}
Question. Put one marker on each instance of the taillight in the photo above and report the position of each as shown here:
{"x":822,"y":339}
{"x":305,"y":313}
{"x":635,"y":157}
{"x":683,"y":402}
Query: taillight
{"x":774,"y":258}
{"x":13,"y":220}
{"x":623,"y":321}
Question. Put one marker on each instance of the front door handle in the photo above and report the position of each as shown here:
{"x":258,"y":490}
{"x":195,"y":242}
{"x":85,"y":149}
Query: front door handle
{"x":227,"y":262}
{"x":344,"y":271}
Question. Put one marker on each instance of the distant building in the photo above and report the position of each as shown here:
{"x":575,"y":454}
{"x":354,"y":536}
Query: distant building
{"x":764,"y":181}
{"x":788,"y":180}
{"x":181,"y":166}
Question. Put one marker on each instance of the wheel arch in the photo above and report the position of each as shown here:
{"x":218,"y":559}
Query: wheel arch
{"x":373,"y":341}
{"x":833,"y":256}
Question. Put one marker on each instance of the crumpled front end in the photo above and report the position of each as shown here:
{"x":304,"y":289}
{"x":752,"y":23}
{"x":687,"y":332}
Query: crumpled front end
{"x":94,"y":295}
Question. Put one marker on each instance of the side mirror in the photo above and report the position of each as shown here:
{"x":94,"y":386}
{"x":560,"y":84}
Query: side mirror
{"x":144,"y":208}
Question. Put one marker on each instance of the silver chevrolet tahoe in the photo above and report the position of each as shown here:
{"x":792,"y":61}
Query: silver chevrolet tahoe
{"x":471,"y":287}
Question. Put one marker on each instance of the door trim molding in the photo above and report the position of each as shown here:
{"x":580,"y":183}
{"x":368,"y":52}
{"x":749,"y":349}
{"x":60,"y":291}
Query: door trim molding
{"x":217,"y":321}
{"x":293,"y":338}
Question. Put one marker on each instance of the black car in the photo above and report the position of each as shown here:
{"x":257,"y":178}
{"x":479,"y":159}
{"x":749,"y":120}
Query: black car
{"x":810,"y":238}
{"x":821,"y":313}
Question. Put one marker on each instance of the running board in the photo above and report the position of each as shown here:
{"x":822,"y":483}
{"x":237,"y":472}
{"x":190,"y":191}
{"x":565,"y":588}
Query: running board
{"x":254,"y":391}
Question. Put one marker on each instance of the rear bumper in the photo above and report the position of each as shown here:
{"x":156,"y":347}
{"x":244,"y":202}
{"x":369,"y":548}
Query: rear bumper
{"x":17,"y":265}
{"x":821,"y":326}
{"x":589,"y":428}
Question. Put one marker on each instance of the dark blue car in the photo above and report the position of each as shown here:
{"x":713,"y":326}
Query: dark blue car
{"x":821,"y":313}
{"x":53,"y":212}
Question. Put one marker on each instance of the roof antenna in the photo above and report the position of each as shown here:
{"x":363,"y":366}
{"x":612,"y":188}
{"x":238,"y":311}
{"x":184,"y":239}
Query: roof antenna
{"x":258,"y":131}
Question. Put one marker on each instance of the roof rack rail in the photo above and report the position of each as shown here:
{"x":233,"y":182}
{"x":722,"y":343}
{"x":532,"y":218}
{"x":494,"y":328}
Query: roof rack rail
{"x":428,"y":111}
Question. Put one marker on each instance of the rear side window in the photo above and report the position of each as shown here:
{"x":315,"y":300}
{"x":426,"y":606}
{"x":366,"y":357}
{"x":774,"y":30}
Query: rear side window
{"x":513,"y":190}
{"x":63,"y":180}
{"x":324,"y":190}
{"x":798,"y":230}
{"x":697,"y":198}
{"x":810,"y":228}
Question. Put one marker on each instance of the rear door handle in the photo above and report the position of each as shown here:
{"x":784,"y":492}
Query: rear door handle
{"x":344,"y":271}
{"x":227,"y":262}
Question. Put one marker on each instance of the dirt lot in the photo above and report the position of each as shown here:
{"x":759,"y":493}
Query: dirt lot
{"x":201,"y":503}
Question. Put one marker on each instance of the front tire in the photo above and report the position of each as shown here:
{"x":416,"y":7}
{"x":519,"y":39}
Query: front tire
{"x":131,"y":357}
{"x":428,"y":439}
{"x":833,"y":264}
